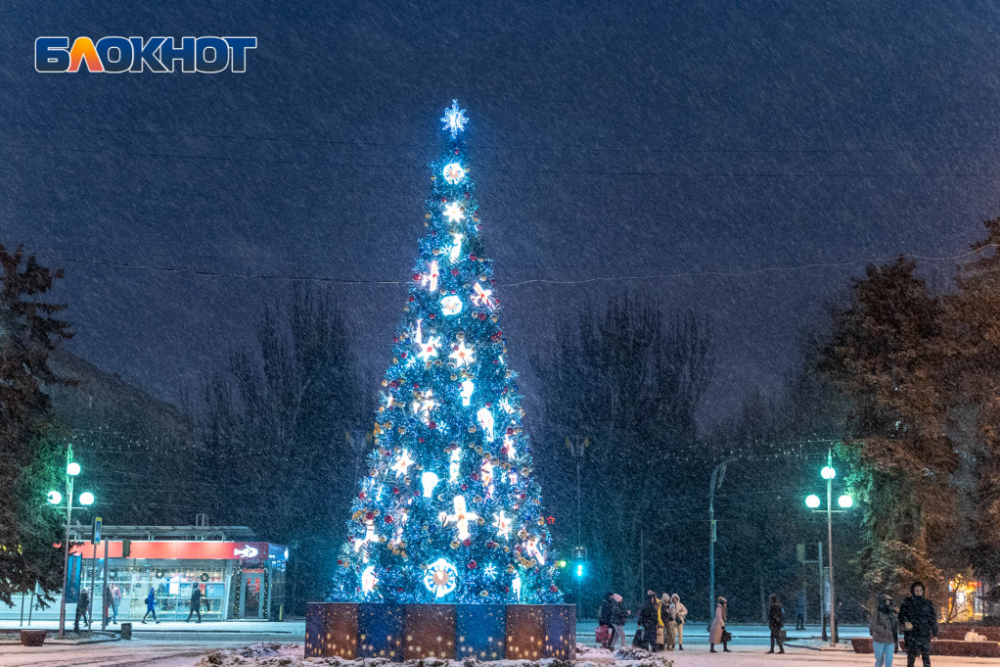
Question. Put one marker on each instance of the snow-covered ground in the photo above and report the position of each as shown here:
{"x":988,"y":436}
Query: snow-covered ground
{"x":181,"y":654}
{"x":181,"y":645}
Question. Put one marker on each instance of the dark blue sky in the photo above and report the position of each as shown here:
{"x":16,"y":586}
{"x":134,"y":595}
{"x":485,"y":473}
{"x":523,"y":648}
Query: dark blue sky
{"x":610,"y":139}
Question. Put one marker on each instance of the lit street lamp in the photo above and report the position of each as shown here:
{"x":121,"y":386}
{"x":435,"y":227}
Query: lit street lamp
{"x":86,"y":499}
{"x":845,"y":502}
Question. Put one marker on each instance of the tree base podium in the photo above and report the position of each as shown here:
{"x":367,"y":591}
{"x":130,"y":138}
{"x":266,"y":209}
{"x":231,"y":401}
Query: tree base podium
{"x":401,"y":632}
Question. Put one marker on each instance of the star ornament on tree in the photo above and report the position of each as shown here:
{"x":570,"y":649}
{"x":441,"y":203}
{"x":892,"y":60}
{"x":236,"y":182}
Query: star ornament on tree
{"x":462,"y":355}
{"x":454,"y":119}
{"x":481,"y":297}
{"x":429,"y":350}
{"x":402,"y":464}
{"x":453,"y":211}
{"x":453,"y":173}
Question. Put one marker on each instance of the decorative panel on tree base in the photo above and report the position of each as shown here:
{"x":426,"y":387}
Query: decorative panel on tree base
{"x":430,"y":631}
{"x":481,"y":630}
{"x":416,"y":631}
{"x":380,"y":631}
{"x":332,"y":630}
{"x":525,"y":631}
{"x":560,"y":631}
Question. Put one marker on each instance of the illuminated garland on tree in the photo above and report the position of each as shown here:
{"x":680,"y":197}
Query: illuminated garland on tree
{"x":449,"y":510}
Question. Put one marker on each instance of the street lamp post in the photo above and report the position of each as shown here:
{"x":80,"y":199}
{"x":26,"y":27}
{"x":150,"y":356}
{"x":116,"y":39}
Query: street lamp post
{"x":845,"y":502}
{"x":718,"y":474}
{"x":577,"y":446}
{"x":55,"y":498}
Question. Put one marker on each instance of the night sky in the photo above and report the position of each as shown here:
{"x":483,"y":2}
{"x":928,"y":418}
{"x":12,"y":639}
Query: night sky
{"x":610,"y":140}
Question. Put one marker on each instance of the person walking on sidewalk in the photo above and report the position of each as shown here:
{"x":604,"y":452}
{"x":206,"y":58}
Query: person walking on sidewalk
{"x":679,"y":612}
{"x":150,"y":606}
{"x":717,"y":633}
{"x":884,"y":629}
{"x":776,"y":621}
{"x":195,"y":603}
{"x":116,"y":601}
{"x":919,"y":620}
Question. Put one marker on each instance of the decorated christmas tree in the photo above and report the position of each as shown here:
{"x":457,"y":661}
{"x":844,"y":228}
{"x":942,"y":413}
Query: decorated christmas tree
{"x":448,"y":510}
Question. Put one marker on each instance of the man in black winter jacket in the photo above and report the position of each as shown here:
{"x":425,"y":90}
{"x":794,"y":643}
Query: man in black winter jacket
{"x":918,"y":617}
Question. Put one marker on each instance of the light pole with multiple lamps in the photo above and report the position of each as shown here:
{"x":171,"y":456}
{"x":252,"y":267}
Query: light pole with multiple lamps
{"x":55,"y":498}
{"x":845,"y":502}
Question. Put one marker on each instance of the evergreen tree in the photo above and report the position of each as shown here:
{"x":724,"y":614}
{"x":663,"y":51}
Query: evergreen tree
{"x":449,"y":510}
{"x":30,"y":463}
{"x":886,"y":355}
{"x":973,"y":366}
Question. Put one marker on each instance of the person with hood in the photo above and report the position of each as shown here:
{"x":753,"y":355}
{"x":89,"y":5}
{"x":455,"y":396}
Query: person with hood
{"x":150,"y":605}
{"x":919,"y":620}
{"x":669,"y":625}
{"x":679,"y":613}
{"x":884,"y":630}
{"x":648,"y":622}
{"x":775,"y":621}
{"x":717,"y":633}
{"x":618,"y":617}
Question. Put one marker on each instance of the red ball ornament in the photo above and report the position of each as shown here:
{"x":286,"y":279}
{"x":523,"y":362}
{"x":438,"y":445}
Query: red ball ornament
{"x":472,"y":258}
{"x":412,"y":299}
{"x":471,"y":565}
{"x":395,"y":339}
{"x":482,"y":317}
{"x":491,"y":545}
{"x":444,"y":200}
{"x":553,"y":588}
{"x":388,"y":518}
{"x":523,"y":496}
{"x":510,"y":431}
{"x":370,"y":516}
{"x":454,"y":272}
{"x":394,"y":384}
{"x":432,"y":425}
{"x":416,"y":279}
{"x":465,"y":487}
{"x":432,"y":316}
{"x":402,"y":355}
{"x":361,"y":495}
{"x":468,"y":195}
{"x":475,"y":477}
{"x":395,"y":490}
{"x":416,"y":386}
{"x":456,"y":151}
{"x":467,"y":542}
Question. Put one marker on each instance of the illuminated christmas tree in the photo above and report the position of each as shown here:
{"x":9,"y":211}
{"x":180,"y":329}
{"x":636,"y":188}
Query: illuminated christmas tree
{"x":448,"y":510}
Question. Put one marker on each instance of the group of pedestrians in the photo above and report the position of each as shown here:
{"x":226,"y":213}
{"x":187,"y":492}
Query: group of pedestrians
{"x":918,"y":619}
{"x":661,"y":622}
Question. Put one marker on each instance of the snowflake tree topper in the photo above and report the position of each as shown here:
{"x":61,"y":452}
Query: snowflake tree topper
{"x":454,"y":119}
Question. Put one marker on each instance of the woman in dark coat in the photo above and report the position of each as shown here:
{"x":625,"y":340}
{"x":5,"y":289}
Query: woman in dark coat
{"x":648,"y":622}
{"x":919,"y":620}
{"x":776,"y":621}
